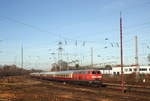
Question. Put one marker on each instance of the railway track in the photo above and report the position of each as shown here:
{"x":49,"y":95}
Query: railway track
{"x":112,"y":91}
{"x":128,"y":88}
{"x":41,"y":90}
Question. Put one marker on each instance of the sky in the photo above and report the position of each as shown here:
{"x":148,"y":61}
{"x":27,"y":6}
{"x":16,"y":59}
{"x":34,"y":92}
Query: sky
{"x":80,"y":25}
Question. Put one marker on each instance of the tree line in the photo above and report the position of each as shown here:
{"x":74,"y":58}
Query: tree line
{"x":13,"y":70}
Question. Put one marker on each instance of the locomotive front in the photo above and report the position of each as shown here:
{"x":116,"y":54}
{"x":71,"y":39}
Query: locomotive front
{"x":96,"y":76}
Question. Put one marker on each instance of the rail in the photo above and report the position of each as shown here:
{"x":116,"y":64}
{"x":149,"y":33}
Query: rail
{"x":129,"y":87}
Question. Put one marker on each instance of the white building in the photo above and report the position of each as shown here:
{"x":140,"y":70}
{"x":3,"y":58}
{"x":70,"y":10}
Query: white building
{"x":116,"y":70}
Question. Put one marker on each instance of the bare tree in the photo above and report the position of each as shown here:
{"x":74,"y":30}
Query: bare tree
{"x":13,"y":70}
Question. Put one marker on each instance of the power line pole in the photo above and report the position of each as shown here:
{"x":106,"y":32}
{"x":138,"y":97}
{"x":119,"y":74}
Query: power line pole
{"x":92,"y":57}
{"x":136,"y":57}
{"x":121,"y":55}
{"x":22,"y":56}
{"x":60,"y":49}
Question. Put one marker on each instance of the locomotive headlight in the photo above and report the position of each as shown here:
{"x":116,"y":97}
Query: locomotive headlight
{"x":99,"y":76}
{"x":93,"y":76}
{"x":96,"y":77}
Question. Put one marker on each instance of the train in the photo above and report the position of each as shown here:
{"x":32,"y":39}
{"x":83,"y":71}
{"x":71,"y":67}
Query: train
{"x":74,"y":76}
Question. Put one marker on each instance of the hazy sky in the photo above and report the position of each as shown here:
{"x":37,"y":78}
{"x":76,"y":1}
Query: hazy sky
{"x":41,"y":24}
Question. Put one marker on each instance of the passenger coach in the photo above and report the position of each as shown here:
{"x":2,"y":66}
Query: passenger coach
{"x":78,"y":76}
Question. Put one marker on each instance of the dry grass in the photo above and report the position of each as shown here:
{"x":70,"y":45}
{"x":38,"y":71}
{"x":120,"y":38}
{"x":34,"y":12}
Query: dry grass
{"x":28,"y":89}
{"x":129,"y":79}
{"x":106,"y":100}
{"x":23,"y":88}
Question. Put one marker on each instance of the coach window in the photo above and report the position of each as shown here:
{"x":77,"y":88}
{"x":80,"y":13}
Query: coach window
{"x":88,"y":72}
{"x":84,"y":72}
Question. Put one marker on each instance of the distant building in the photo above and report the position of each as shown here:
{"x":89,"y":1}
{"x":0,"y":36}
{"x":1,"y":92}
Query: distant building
{"x":116,"y":70}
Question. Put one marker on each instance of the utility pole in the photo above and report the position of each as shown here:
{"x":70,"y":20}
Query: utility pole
{"x":121,"y":55}
{"x":22,"y":56}
{"x":92,"y":57}
{"x":67,"y":54}
{"x":60,"y":49}
{"x":136,"y":57}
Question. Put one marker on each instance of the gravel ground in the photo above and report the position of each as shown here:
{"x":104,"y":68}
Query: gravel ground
{"x":24,"y":88}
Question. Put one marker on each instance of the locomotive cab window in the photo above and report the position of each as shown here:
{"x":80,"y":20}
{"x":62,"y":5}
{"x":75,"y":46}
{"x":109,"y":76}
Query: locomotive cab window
{"x":96,"y":72}
{"x":93,"y":72}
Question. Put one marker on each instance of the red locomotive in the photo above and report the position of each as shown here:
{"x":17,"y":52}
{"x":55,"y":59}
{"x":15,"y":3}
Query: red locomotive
{"x":79,"y":76}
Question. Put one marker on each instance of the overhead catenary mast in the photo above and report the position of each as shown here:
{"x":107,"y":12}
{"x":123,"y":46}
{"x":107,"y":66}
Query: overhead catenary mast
{"x":22,"y":56}
{"x":60,"y":49}
{"x":136,"y":57}
{"x":92,"y":57}
{"x":121,"y":54}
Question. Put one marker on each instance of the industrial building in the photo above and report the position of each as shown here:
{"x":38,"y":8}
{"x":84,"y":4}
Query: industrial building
{"x":116,"y":70}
